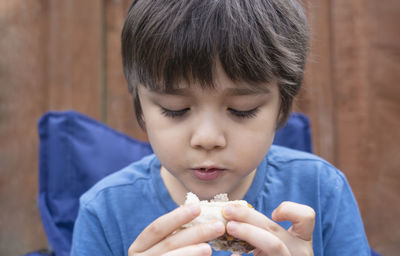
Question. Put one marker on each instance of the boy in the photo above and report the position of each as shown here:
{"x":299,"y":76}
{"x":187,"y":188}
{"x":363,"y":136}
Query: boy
{"x":211,"y":82}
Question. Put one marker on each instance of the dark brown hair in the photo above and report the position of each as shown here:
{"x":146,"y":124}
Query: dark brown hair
{"x":256,"y":41}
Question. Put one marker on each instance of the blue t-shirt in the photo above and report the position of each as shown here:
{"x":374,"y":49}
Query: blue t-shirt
{"x":117,"y":209}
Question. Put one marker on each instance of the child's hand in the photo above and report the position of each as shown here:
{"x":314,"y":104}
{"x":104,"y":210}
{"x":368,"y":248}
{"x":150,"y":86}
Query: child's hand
{"x":267,"y":236}
{"x":159,"y":238}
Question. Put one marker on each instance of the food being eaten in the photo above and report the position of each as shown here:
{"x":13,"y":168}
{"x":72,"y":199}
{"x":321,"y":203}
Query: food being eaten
{"x":211,"y":211}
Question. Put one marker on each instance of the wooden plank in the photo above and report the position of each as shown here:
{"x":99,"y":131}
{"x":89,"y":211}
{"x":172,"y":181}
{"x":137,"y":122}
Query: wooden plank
{"x":50,"y":60}
{"x":74,"y":68}
{"x":120,"y":112}
{"x":23,"y":43}
{"x":355,"y":156}
{"x":367,"y":101}
{"x":383,"y":74}
{"x":351,"y":96}
{"x":316,"y":98}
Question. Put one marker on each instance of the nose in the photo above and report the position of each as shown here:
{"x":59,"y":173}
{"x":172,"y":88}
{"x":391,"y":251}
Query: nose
{"x":208,"y":134}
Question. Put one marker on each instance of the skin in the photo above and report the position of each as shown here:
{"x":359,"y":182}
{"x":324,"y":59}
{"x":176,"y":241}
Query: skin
{"x":231,"y":126}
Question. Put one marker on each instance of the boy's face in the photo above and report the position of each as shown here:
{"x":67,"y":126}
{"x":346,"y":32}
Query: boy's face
{"x":211,"y":140}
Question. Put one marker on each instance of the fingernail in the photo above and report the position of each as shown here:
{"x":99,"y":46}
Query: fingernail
{"x":218,"y":226}
{"x":205,"y":249}
{"x":228,"y":211}
{"x":194,"y":209}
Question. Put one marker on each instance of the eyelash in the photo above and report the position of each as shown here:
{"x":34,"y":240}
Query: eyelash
{"x":237,"y":113}
{"x":244,"y":114}
{"x":173,"y":113}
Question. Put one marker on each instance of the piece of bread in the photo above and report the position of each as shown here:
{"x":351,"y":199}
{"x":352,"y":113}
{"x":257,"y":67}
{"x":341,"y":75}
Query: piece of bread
{"x":211,"y":211}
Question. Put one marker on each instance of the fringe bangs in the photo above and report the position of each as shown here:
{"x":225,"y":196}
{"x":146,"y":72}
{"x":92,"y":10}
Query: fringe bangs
{"x":181,"y":41}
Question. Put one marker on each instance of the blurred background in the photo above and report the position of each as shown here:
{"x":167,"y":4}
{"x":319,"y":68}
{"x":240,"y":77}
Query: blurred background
{"x":65,"y":54}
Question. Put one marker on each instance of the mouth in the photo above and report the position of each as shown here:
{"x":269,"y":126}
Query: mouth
{"x":207,"y":173}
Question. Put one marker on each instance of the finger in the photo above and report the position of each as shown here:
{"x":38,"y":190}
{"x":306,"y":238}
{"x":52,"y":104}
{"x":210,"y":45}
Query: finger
{"x":164,"y":226}
{"x":301,"y":216}
{"x":248,"y":215}
{"x":257,"y":236}
{"x":189,"y":236}
{"x":200,"y":249}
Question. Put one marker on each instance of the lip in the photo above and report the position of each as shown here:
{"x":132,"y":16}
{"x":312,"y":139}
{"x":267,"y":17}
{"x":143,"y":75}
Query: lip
{"x":207,"y":173}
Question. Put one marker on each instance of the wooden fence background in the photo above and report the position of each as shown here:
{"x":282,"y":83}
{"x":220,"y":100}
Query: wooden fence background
{"x":65,"y":54}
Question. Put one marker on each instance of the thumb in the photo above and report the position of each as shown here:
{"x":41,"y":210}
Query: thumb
{"x":301,"y":216}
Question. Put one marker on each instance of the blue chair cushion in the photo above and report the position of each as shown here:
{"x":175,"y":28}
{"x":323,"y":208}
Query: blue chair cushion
{"x":296,"y":134}
{"x":77,"y":151}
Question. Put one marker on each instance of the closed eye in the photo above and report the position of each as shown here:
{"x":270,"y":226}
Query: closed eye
{"x":174,"y":113}
{"x":244,"y":113}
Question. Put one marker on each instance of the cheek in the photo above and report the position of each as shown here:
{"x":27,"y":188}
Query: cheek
{"x":254,"y":145}
{"x":254,"y":141}
{"x":166,"y":142}
{"x":168,"y":150}
{"x":165,"y":138}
